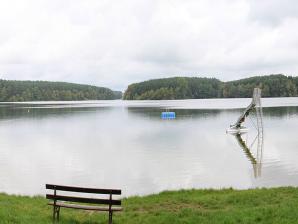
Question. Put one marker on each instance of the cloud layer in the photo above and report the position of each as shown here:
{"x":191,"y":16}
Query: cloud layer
{"x":114,"y":43}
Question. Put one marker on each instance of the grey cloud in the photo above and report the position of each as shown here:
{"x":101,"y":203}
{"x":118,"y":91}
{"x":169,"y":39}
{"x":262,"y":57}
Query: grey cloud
{"x":273,"y":12}
{"x":114,"y":43}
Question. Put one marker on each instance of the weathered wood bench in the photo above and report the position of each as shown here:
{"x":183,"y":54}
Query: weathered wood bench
{"x":109,"y":204}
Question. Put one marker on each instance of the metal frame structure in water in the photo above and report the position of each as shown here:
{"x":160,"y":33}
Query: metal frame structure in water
{"x":237,"y":130}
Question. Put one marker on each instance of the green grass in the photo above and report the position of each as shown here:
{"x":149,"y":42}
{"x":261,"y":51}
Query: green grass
{"x":275,"y":205}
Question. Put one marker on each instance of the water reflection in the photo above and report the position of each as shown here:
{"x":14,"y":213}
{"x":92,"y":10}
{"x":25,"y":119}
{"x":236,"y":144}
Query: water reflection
{"x":19,"y":111}
{"x":11,"y":110}
{"x":255,"y":159}
{"x":280,"y":112}
{"x":76,"y":146}
{"x":154,"y":113}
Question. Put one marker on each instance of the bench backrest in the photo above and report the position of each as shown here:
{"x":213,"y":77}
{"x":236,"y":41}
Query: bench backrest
{"x":57,"y":197}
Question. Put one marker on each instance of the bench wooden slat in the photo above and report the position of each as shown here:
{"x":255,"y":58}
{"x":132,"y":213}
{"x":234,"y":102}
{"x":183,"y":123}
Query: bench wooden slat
{"x":83,"y":189}
{"x":86,"y":207}
{"x":83,"y":200}
{"x":111,"y":205}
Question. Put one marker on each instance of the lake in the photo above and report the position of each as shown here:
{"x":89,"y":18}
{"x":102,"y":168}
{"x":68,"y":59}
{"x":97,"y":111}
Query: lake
{"x":126,"y":145}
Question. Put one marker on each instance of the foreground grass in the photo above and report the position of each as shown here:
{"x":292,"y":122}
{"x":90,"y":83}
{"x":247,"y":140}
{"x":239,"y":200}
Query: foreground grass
{"x":276,"y":205}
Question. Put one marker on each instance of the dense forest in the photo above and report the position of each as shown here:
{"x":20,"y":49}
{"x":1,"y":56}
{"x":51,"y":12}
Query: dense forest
{"x":11,"y":91}
{"x":194,"y":88}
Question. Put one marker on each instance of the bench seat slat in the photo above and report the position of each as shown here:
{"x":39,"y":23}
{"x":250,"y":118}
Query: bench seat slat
{"x":86,"y":207}
{"x":83,"y":200}
{"x":83,"y":189}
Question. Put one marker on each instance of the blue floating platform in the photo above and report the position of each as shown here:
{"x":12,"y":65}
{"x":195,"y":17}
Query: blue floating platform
{"x":168,"y":115}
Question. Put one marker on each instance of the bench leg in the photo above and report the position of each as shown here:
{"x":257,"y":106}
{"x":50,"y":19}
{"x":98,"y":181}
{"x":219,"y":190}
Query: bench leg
{"x":110,"y":217}
{"x":56,"y":213}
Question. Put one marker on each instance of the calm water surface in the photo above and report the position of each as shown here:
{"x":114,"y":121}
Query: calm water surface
{"x":120,"y":144}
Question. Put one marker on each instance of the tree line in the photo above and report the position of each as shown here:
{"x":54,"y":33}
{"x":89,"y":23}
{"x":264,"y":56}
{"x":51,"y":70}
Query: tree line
{"x":195,"y":88}
{"x":11,"y":91}
{"x":156,"y":89}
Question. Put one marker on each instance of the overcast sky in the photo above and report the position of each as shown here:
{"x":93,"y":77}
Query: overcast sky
{"x":113,"y":43}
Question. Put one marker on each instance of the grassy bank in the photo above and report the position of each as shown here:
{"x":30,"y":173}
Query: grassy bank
{"x":277,"y":205}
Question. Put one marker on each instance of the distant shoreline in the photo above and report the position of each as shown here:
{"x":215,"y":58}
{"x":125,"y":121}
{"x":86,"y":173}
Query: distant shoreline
{"x":176,"y":88}
{"x":22,"y":91}
{"x":206,"y":88}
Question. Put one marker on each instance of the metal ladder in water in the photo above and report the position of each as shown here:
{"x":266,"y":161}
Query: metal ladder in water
{"x":260,"y":129}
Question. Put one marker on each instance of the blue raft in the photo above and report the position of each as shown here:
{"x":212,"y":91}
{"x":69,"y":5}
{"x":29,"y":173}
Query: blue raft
{"x":168,"y":115}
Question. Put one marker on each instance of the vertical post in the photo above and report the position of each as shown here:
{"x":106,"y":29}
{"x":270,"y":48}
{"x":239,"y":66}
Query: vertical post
{"x":58,"y":213}
{"x":110,"y":210}
{"x":54,"y":206}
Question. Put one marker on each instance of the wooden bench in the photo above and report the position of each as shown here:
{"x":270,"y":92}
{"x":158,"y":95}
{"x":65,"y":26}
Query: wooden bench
{"x":109,"y":204}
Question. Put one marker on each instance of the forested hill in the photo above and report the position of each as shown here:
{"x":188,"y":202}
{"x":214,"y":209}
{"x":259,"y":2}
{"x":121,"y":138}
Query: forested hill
{"x":11,"y":91}
{"x":195,"y":88}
